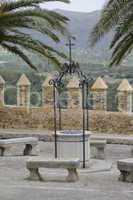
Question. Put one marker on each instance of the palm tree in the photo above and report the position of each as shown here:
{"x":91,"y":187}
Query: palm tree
{"x":19,"y":15}
{"x":117,"y":14}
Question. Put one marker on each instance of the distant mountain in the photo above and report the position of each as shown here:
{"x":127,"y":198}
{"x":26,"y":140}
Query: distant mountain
{"x":80,"y":26}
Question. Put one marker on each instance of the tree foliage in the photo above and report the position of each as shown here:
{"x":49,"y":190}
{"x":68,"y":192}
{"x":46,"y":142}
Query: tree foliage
{"x":19,"y":15}
{"x":117,"y":14}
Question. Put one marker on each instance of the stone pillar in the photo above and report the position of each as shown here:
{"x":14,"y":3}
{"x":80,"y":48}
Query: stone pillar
{"x":47,"y":92}
{"x":99,"y":94}
{"x":74,"y":93}
{"x":2,"y":88}
{"x":125,"y":92}
{"x":23,"y":92}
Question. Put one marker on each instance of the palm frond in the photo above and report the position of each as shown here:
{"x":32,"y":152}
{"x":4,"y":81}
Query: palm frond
{"x":124,"y":26}
{"x":15,"y":50}
{"x":34,"y":46}
{"x":19,"y":14}
{"x":117,"y":14}
{"x":110,"y":16}
{"x":7,"y":6}
{"x":122,"y":49}
{"x":55,"y":20}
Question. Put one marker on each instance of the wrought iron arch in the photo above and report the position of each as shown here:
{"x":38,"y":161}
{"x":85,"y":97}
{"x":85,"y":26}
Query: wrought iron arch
{"x":72,"y":69}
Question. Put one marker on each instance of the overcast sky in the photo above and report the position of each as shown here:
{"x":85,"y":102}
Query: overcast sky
{"x":78,"y":5}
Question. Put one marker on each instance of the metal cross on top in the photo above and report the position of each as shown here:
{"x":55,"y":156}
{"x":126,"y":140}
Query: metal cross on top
{"x":72,"y":68}
{"x":70,"y":44}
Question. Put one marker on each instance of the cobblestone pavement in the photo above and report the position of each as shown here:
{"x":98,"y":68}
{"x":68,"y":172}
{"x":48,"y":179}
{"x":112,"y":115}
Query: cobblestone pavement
{"x":99,"y":184}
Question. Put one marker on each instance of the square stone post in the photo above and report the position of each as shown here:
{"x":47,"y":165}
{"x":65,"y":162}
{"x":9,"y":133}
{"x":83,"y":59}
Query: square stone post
{"x":125,"y":92}
{"x":2,"y":89}
{"x":74,"y":93}
{"x":47,"y":92}
{"x":99,"y":94}
{"x":23,"y":92}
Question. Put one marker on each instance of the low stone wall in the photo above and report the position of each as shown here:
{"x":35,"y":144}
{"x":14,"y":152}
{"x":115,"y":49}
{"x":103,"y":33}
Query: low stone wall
{"x":111,"y":122}
{"x":42,"y":118}
{"x":100,"y":121}
{"x":16,"y":117}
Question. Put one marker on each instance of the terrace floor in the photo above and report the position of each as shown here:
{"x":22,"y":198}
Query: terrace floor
{"x":99,"y":182}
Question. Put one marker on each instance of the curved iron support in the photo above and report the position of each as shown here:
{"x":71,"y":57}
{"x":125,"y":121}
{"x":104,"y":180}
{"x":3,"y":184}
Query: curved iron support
{"x":87,"y":107}
{"x":83,"y":87}
{"x":57,"y":82}
{"x":53,"y":83}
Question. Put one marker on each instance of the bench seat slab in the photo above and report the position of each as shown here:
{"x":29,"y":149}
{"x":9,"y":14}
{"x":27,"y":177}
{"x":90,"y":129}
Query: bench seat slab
{"x":55,"y":163}
{"x":25,"y":140}
{"x":27,"y":146}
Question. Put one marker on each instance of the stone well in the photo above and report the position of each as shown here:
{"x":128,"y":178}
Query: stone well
{"x":70,"y":145}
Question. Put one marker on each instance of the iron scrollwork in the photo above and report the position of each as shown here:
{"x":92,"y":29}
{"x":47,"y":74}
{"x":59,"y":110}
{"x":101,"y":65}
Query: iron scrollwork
{"x":57,"y":82}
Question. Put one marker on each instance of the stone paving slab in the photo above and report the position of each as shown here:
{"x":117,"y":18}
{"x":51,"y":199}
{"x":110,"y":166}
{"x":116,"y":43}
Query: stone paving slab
{"x":93,"y":185}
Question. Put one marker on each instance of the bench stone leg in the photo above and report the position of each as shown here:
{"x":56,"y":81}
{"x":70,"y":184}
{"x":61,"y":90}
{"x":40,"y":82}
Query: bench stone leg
{"x":34,"y":175}
{"x":6,"y":151}
{"x":132,"y":152}
{"x":97,"y":152}
{"x":93,"y":151}
{"x":100,"y":153}
{"x":2,"y":150}
{"x":122,"y":176}
{"x":126,"y":176}
{"x":72,"y":175}
{"x":129,"y":177}
{"x":35,"y":150}
{"x":31,"y":150}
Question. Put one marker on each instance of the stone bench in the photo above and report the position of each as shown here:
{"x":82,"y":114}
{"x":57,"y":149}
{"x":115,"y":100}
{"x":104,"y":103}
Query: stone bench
{"x":126,"y":169}
{"x":30,"y":145}
{"x":97,"y":148}
{"x":34,"y":164}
